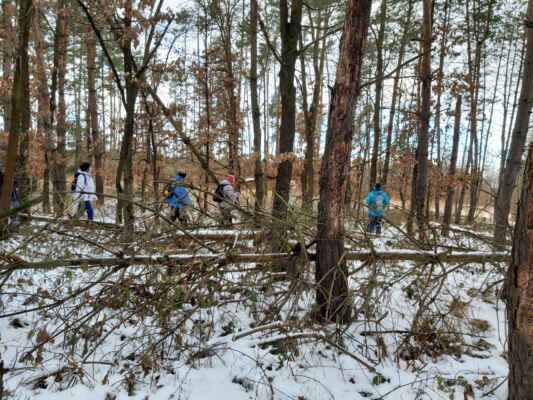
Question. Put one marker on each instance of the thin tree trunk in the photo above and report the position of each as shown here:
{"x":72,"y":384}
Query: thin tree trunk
{"x":505,"y":191}
{"x":98,"y":148}
{"x":453,"y":166}
{"x":256,"y":115}
{"x":379,"y":90}
{"x":125,"y":167}
{"x":331,"y":273}
{"x":474,"y":72}
{"x":207,"y":100}
{"x":460,"y":201}
{"x":60,"y":70}
{"x":395,"y":88}
{"x":439,"y":89}
{"x":312,"y":112}
{"x":7,"y":58}
{"x":234,"y":124}
{"x":424,"y":115}
{"x":44,"y":121}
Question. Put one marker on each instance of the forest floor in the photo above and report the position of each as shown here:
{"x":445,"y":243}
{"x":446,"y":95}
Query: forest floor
{"x":212,"y":330}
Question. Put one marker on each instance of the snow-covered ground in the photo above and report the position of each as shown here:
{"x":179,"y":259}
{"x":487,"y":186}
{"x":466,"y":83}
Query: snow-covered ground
{"x":221,"y":332}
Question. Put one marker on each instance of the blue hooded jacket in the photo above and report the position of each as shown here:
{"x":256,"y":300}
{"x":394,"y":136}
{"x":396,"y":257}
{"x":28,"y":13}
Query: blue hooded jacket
{"x":179,"y":198}
{"x":371,"y":200}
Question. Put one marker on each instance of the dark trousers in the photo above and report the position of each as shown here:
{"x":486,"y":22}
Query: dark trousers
{"x":375,"y":222}
{"x":85,"y":206}
{"x":177,"y":216}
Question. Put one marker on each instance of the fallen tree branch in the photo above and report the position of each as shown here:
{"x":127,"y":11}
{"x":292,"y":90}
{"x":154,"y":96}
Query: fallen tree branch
{"x":200,"y":234}
{"x":230,"y":258}
{"x":22,"y":207}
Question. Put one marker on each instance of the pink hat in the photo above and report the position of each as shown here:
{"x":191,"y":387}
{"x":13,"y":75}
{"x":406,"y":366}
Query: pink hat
{"x":231,"y":179}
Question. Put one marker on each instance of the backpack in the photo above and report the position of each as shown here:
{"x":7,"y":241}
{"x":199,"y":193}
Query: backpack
{"x":218,"y":196}
{"x":168,"y":191}
{"x":74,"y":183}
{"x":379,"y":203}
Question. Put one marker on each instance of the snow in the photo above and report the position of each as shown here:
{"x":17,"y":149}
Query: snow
{"x":253,"y":366}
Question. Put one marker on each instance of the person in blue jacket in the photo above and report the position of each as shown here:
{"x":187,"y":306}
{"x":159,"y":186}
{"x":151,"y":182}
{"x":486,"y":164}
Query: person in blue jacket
{"x":178,"y":197}
{"x":377,"y":202}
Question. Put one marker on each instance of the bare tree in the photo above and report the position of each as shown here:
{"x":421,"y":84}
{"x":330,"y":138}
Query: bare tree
{"x":505,"y":190}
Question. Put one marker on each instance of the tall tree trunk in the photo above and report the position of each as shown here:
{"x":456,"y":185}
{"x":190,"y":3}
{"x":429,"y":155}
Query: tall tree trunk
{"x":290,"y":32}
{"x":519,"y":293}
{"x":19,"y":97}
{"x":505,"y":191}
{"x":331,"y":272}
{"x":379,"y":89}
{"x":98,"y":148}
{"x":453,"y":166}
{"x":439,"y":89}
{"x":60,"y":68}
{"x":233,"y":122}
{"x":395,"y":88}
{"x":125,"y":168}
{"x":7,"y":58}
{"x":312,"y":111}
{"x":424,"y":115}
{"x":44,"y":122}
{"x":256,"y":115}
{"x":207,"y":100}
{"x":474,"y":73}
{"x":507,"y":83}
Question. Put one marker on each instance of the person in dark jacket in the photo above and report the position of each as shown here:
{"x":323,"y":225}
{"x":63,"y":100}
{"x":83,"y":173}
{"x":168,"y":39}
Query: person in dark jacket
{"x":178,"y":198}
{"x":377,"y":202}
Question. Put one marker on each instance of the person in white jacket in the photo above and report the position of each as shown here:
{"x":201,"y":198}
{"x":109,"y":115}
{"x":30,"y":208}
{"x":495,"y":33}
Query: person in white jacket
{"x":227,"y":198}
{"x":84,"y":191}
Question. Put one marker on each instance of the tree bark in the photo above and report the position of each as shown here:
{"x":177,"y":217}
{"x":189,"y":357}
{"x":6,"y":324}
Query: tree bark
{"x":379,"y":91}
{"x":439,"y":90}
{"x":474,"y":73}
{"x":256,"y":115}
{"x":44,"y":121}
{"x":331,"y":273}
{"x":97,"y":146}
{"x":125,"y":208}
{"x":424,"y":115}
{"x":312,"y":111}
{"x":7,"y":58}
{"x":224,"y":18}
{"x":290,"y":32}
{"x":519,"y":291}
{"x":453,"y":166}
{"x":502,"y":203}
{"x":60,"y":69}
{"x":19,"y":97}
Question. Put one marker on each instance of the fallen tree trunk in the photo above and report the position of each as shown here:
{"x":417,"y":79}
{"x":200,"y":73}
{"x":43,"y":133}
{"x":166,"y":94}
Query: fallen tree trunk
{"x":200,"y":234}
{"x":229,"y":258}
